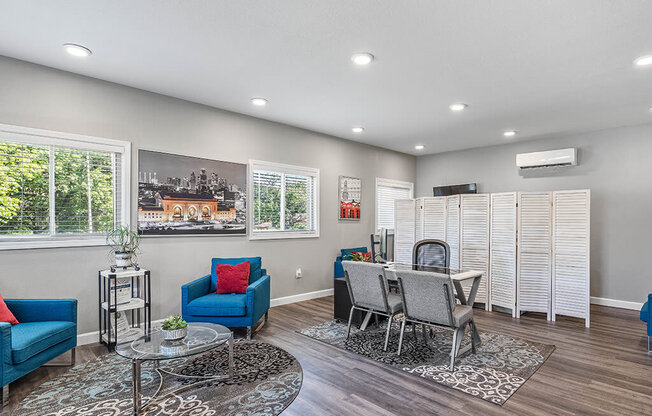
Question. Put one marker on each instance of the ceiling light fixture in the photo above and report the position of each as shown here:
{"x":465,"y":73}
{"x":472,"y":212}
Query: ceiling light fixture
{"x":260,"y":102}
{"x":457,"y":106}
{"x":362,"y":58}
{"x":357,"y":130}
{"x":643,"y":60}
{"x":76,"y":50}
{"x":419,"y":147}
{"x":509,"y":133}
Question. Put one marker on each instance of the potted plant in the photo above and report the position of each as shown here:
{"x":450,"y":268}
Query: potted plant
{"x":174,"y":328}
{"x":124,"y":244}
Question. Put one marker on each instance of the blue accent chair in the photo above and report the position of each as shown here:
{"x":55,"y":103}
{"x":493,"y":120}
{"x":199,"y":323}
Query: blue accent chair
{"x":47,"y":329}
{"x":646,"y":316}
{"x":200,"y":303}
{"x":338,"y":271}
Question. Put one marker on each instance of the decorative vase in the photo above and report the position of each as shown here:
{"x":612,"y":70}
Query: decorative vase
{"x":123,"y":258}
{"x":174,"y":334}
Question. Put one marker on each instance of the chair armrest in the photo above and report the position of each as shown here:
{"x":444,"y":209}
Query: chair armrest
{"x":39,"y":310}
{"x":258,"y":297}
{"x":193,"y":290}
{"x":5,"y":348}
{"x":263,"y":272}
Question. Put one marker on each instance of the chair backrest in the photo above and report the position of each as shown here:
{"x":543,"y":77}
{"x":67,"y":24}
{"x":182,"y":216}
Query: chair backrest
{"x":427,"y":296}
{"x":367,"y":285}
{"x":431,"y":253}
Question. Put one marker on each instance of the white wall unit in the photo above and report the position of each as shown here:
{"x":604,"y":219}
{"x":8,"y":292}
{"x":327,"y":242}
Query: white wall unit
{"x":453,"y":229}
{"x":534,"y":254}
{"x":474,"y":239}
{"x":571,"y":251}
{"x":502,"y":244}
{"x":419,"y":218}
{"x":404,"y":232}
{"x":434,"y":218}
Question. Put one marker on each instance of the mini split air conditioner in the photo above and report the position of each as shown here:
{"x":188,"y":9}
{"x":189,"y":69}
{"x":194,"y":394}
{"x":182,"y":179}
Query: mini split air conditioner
{"x":561,"y":157}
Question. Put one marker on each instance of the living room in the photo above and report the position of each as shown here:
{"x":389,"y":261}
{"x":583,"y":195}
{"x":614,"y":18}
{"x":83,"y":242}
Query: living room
{"x":306,"y":152}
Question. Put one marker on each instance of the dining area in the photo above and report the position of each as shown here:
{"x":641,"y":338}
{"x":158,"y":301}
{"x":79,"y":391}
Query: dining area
{"x":426,"y":296}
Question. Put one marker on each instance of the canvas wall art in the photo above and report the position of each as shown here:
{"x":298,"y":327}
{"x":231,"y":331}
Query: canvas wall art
{"x":190,"y":195}
{"x":350,"y":191}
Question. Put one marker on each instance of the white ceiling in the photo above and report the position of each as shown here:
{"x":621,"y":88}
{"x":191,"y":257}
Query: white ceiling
{"x":540,"y":67}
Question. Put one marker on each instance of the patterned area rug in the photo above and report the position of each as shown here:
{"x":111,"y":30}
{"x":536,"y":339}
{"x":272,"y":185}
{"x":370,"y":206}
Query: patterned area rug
{"x":500,"y":366}
{"x":267,"y":379}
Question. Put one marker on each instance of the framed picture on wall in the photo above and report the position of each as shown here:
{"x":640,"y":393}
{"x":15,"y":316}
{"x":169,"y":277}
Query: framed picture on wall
{"x":184,"y":195}
{"x":349,"y":196}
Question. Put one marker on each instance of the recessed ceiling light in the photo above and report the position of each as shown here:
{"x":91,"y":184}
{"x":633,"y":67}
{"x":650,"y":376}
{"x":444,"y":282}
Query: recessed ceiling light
{"x":509,"y":133}
{"x":419,"y":147}
{"x":643,"y":60}
{"x":260,"y":102}
{"x":362,"y":58}
{"x":357,"y":130}
{"x":457,"y":106}
{"x":77,"y":50}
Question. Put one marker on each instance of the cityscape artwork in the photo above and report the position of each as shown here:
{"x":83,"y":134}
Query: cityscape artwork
{"x":189,"y":195}
{"x":350,"y":190}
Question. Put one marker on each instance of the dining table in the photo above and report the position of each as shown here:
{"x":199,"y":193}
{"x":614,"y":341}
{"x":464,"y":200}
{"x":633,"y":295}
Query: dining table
{"x":461,"y":278}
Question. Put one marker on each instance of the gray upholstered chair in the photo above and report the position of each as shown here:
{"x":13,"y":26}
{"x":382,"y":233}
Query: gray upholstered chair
{"x":369,"y":292}
{"x":431,"y":253}
{"x":428,"y":300}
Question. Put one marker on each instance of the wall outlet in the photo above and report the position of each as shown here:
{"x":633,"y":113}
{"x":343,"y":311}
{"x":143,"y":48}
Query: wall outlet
{"x":298,"y":274}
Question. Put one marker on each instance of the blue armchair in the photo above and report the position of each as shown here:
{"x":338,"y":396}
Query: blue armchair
{"x":200,"y":303}
{"x":338,"y":271}
{"x":646,"y":316}
{"x":47,"y":329}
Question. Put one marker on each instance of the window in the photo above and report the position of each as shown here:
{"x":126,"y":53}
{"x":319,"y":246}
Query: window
{"x":388,"y":191}
{"x":60,"y":189}
{"x":285,"y":201}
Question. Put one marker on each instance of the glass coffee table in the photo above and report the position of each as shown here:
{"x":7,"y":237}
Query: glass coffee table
{"x":202,"y":337}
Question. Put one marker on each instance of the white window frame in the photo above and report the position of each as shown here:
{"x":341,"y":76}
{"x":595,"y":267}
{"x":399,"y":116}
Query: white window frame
{"x":280,"y":168}
{"x":27,"y":135}
{"x":389,"y":182}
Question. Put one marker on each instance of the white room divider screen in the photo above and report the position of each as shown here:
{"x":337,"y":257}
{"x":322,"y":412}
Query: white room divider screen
{"x":532,"y":246}
{"x":474,"y":241}
{"x":571,"y":220}
{"x":534,"y":257}
{"x":502,"y":258}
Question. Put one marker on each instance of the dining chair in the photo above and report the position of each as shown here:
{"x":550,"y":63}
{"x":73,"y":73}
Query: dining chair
{"x":369,"y":293}
{"x":431,"y":253}
{"x":428,"y":300}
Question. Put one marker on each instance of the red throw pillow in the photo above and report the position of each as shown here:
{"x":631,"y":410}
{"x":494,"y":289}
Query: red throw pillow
{"x":232,"y":279}
{"x":5,"y":313}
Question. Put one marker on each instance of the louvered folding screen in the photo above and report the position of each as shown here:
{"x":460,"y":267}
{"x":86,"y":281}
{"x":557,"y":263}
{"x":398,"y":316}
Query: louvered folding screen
{"x":570,"y":247}
{"x":534,"y":257}
{"x":419,"y":219}
{"x":474,"y":252}
{"x":404,"y":223}
{"x":434,"y":218}
{"x":502,"y":269}
{"x":453,"y":229}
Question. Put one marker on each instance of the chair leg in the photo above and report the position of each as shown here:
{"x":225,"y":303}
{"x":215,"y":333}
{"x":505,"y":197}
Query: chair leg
{"x":648,"y":345}
{"x":452,"y":366}
{"x":348,"y":328}
{"x":471,"y":329}
{"x":376,"y":319}
{"x":266,"y":316}
{"x":73,"y":356}
{"x":389,"y":328}
{"x":425,"y":336}
{"x":248,"y":333}
{"x":414,"y":331}
{"x":4,"y":396}
{"x":400,"y":338}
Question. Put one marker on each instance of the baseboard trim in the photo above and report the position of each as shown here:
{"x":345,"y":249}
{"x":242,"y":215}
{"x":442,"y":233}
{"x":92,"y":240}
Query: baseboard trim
{"x":92,"y":337}
{"x":615,"y":303}
{"x":301,"y":297}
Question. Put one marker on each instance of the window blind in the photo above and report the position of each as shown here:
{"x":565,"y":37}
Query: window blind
{"x":387,"y":192}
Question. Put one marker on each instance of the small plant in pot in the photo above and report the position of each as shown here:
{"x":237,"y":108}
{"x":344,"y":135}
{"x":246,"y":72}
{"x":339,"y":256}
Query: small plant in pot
{"x":174,"y":328}
{"x":124,"y":245}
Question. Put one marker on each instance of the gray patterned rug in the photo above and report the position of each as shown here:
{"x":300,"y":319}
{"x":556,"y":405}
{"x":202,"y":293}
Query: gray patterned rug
{"x":267,"y":379}
{"x":500,"y":366}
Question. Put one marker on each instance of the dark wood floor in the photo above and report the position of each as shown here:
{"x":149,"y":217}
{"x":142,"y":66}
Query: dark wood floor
{"x":604,"y":370}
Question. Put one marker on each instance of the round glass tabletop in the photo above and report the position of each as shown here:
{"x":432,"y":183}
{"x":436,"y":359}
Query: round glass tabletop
{"x":201,"y":337}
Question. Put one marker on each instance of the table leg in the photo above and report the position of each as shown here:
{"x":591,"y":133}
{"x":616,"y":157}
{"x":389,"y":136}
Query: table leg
{"x":365,"y":321}
{"x":460,"y":294}
{"x":135,"y":374}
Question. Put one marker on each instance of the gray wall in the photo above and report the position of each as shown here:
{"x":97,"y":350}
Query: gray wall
{"x":40,"y":97}
{"x":614,"y":164}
